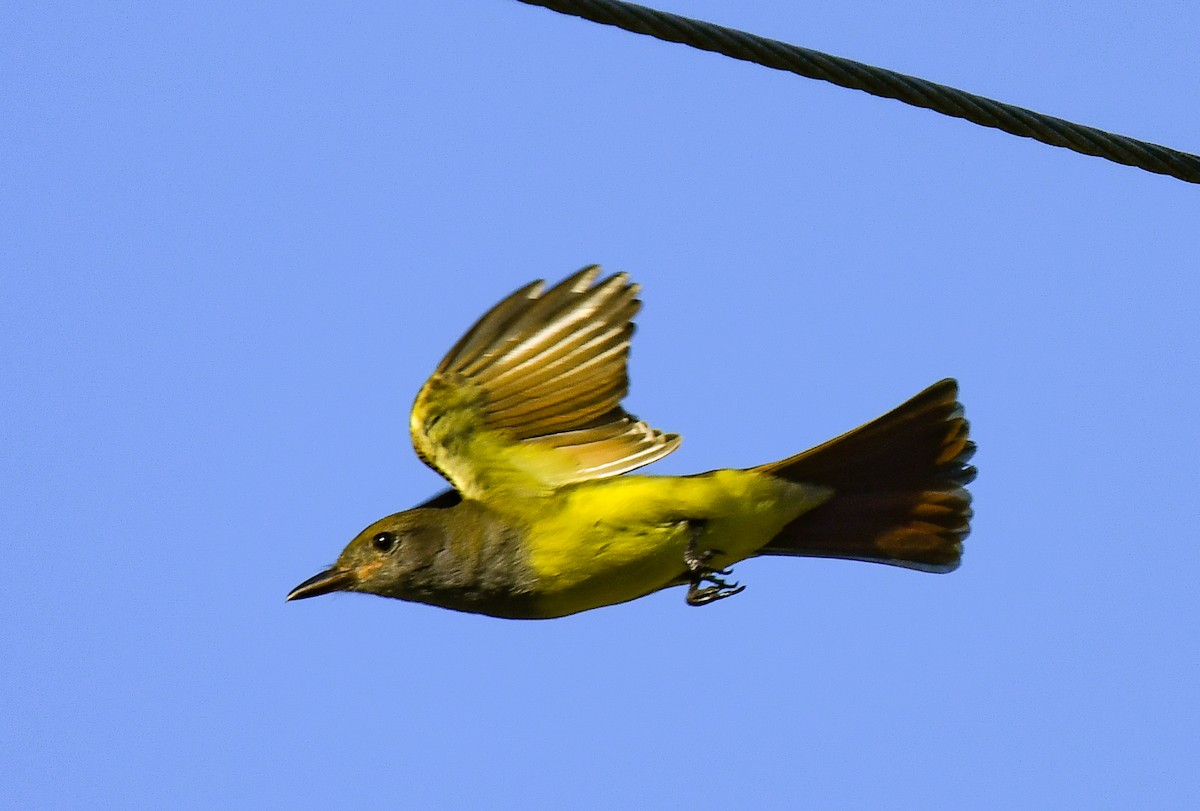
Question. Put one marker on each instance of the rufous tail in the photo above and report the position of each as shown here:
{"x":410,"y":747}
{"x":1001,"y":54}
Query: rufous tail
{"x":899,"y":488}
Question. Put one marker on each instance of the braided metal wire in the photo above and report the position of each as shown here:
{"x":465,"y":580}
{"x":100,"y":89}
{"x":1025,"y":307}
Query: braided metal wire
{"x":886,"y":83}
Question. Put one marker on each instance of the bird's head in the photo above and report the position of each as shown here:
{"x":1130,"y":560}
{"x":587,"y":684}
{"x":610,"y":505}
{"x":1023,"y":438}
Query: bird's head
{"x":386,"y":558}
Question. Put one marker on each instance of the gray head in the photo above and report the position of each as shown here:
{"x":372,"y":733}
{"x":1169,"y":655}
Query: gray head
{"x":388,"y":558}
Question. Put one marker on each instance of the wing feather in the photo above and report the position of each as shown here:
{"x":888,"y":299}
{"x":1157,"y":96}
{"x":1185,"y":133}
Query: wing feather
{"x":538,"y":378}
{"x":529,"y":399}
{"x":494,"y":321}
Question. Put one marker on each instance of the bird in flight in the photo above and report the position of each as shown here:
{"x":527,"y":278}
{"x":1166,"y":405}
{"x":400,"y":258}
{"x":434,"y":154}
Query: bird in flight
{"x":523,"y":417}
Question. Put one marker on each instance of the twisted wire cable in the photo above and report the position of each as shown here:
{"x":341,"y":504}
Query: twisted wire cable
{"x":881,"y":82}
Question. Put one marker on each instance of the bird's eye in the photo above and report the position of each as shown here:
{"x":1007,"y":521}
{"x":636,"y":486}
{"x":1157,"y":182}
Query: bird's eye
{"x":384,"y":541}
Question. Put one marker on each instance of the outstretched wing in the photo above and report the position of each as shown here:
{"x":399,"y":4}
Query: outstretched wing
{"x":529,"y":399}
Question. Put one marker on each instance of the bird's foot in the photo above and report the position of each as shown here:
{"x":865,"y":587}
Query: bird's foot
{"x":706,"y":583}
{"x":710,"y":594}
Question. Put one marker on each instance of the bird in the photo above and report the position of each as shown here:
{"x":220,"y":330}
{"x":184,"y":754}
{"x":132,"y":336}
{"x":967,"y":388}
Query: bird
{"x":544,"y":518}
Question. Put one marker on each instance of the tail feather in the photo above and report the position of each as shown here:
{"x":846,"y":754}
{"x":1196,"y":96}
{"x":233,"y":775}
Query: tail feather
{"x":899,"y":488}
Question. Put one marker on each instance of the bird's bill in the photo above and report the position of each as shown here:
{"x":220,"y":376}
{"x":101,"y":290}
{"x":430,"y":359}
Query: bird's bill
{"x":323,"y":583}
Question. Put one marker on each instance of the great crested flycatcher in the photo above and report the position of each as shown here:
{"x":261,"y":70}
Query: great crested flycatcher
{"x":523,"y":417}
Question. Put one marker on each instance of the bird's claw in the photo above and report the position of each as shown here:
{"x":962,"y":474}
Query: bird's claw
{"x":710,"y":594}
{"x":699,"y":573}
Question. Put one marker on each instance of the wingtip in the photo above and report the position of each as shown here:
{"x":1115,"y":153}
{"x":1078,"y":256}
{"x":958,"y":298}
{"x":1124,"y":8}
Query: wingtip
{"x":581,"y":279}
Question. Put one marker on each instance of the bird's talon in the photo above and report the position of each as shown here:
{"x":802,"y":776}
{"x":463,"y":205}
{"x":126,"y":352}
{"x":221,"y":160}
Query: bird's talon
{"x":710,"y":594}
{"x":699,"y":572}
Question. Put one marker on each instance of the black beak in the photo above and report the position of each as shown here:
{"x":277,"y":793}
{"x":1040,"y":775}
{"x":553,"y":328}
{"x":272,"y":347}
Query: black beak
{"x":323,"y":583}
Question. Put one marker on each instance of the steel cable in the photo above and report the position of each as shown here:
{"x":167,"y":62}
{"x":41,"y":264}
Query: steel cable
{"x":886,"y":83}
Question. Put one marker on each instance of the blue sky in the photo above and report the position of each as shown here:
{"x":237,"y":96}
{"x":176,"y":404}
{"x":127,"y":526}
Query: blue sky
{"x":236,"y":238}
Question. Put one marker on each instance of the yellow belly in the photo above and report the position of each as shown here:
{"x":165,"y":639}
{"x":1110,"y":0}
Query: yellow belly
{"x":619,"y":539}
